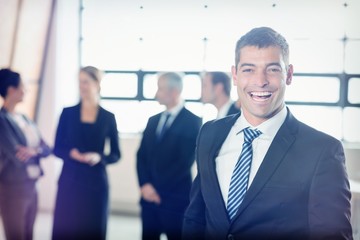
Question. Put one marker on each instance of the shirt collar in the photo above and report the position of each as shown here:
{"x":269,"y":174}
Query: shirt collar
{"x":175,"y":110}
{"x":269,"y":128}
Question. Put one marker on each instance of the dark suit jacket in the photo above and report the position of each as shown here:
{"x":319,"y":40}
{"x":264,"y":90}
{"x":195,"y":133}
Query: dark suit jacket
{"x":233,"y":109}
{"x":166,"y":164}
{"x":12,"y":170}
{"x":301,"y":190}
{"x":72,"y":133}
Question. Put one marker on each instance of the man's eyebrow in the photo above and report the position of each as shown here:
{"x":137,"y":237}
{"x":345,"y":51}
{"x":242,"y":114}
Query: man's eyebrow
{"x":274,"y":64}
{"x":253,"y":65}
{"x":247,"y":65}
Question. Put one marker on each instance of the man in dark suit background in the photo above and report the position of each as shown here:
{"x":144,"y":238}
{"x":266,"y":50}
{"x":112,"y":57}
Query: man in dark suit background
{"x":284,"y":180}
{"x":164,"y":161}
{"x":216,"y":87}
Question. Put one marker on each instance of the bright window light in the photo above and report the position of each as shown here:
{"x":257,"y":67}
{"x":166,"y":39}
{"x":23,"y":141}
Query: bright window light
{"x":190,"y":36}
{"x":326,"y":119}
{"x":119,"y":85}
{"x":354,"y":90}
{"x":351,"y":123}
{"x":313,"y":89}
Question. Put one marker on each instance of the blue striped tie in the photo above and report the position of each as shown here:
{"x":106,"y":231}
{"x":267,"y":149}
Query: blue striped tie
{"x":240,"y":177}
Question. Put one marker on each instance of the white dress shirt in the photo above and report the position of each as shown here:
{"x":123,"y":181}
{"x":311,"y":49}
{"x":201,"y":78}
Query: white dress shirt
{"x":32,"y":140}
{"x":231,"y":149}
{"x":28,"y":129}
{"x":173,"y":114}
{"x":224,"y":109}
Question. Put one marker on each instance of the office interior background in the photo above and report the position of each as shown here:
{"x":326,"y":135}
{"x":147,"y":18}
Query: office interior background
{"x":47,"y":41}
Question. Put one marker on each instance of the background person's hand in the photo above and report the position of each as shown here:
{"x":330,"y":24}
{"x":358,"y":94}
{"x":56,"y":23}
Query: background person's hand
{"x":24,"y":153}
{"x":92,"y":158}
{"x":76,"y":155}
{"x":149,"y":193}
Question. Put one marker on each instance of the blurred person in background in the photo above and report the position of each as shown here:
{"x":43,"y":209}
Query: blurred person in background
{"x":81,"y":210}
{"x":21,"y":148}
{"x":164,"y":161}
{"x":216,"y":87}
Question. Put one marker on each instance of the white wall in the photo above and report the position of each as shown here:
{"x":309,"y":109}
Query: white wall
{"x":124,"y":190}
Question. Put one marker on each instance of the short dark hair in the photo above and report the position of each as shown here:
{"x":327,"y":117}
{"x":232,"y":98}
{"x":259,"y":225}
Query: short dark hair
{"x":223,"y":79}
{"x":262,"y":37}
{"x":8,"y":78}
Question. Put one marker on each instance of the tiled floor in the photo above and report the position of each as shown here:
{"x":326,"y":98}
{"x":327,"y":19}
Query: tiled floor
{"x":119,"y":227}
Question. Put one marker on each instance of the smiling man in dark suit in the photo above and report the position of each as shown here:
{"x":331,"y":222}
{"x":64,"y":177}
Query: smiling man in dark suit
{"x":164,"y":161}
{"x":264,"y":174}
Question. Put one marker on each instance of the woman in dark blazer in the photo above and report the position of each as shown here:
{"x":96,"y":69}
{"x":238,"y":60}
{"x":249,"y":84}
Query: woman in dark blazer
{"x":21,"y":148}
{"x":81,"y":210}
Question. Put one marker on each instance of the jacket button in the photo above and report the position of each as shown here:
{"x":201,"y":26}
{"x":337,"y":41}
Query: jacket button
{"x":230,"y":237}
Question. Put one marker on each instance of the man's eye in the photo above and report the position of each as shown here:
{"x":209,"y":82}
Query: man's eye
{"x":274,"y":70}
{"x":247,"y":70}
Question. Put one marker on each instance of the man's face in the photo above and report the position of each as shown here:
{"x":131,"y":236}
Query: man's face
{"x":164,"y":94}
{"x":261,"y":78}
{"x":207,"y":90}
{"x":16,"y":94}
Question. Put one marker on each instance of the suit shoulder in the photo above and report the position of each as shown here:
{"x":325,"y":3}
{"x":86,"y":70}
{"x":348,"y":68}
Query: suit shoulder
{"x":154,"y":117}
{"x":107,"y":113}
{"x":2,"y":114}
{"x":307,"y":134}
{"x":71,"y":109}
{"x":219,"y":123}
{"x":212,"y":128}
{"x":233,"y":109}
{"x":191,"y":115}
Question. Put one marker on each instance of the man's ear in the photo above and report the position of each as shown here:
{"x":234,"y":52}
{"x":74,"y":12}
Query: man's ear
{"x":10,"y":90}
{"x":289,"y":74}
{"x":175,"y":93}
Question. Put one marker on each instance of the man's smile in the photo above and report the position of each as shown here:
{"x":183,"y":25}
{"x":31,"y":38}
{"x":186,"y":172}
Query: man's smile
{"x":260,"y":96}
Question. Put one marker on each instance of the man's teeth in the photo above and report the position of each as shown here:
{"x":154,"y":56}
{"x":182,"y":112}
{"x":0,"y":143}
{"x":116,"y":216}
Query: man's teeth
{"x":261,"y":94}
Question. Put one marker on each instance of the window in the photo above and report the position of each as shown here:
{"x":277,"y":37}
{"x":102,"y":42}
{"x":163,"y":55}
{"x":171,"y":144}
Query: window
{"x":192,"y":87}
{"x":354,"y":90}
{"x":351,"y":123}
{"x":323,"y":118}
{"x":313,"y":89}
{"x":132,"y":41}
{"x":119,"y":85}
{"x":150,"y":85}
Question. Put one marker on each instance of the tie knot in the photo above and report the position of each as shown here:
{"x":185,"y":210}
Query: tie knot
{"x":250,"y":134}
{"x":167,"y":115}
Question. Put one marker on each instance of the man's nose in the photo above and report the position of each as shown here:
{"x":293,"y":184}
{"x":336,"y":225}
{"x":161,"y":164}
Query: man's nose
{"x":261,"y":79}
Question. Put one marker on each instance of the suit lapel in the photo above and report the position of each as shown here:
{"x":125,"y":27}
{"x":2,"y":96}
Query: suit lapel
{"x":177,"y":120}
{"x":16,"y":130}
{"x":278,"y":149}
{"x":153,"y":129}
{"x":219,"y":137}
